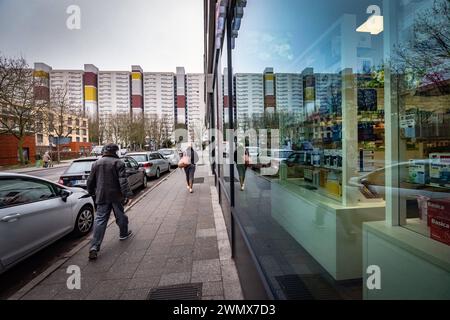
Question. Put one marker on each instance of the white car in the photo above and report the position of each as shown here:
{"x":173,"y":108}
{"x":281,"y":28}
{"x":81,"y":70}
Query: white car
{"x":172,"y":155}
{"x":35,"y":212}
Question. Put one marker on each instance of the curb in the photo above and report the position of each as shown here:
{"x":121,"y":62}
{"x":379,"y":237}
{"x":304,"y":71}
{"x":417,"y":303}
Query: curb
{"x":55,"y":266}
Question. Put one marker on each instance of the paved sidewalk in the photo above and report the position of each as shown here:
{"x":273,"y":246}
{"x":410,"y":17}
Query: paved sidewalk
{"x":179,"y":238}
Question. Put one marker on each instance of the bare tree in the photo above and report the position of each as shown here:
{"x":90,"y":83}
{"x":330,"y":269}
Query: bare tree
{"x":97,"y":130}
{"x":20,"y":108}
{"x":427,"y":54}
{"x":65,"y":119}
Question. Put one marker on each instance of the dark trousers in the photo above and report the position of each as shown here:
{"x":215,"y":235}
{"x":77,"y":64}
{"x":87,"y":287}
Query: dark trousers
{"x":101,"y":222}
{"x":190,"y":172}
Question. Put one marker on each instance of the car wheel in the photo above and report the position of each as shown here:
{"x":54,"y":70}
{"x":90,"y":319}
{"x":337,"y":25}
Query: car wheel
{"x":84,"y":221}
{"x":158,"y":173}
{"x":144,"y":181}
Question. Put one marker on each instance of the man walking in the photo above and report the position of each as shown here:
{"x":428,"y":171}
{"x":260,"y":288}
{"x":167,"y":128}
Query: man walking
{"x":109,"y":184}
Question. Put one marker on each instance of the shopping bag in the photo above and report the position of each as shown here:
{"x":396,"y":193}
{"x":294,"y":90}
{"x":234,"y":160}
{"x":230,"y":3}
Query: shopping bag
{"x":184,"y":162}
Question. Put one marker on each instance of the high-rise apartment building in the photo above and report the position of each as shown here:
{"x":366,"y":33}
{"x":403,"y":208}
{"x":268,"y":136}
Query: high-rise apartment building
{"x":69,"y":84}
{"x":289,"y":92}
{"x":113,"y":94}
{"x":195,"y":85}
{"x":176,"y":98}
{"x":159,"y":97}
{"x":249,"y":95}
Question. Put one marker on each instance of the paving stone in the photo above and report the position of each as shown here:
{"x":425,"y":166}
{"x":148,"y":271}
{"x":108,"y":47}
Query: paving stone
{"x":137,"y":294}
{"x":180,"y":251}
{"x":174,"y":278}
{"x":212,"y":288}
{"x":180,"y":264}
{"x":143,"y":283}
{"x":121,"y":270}
{"x":229,"y":273}
{"x":43,"y":292}
{"x":184,"y":240}
{"x":232,"y":290}
{"x":152,"y":268}
{"x":205,"y":233}
{"x":108,"y":290}
{"x":206,"y":271}
{"x":132,"y":256}
{"x":88,"y":283}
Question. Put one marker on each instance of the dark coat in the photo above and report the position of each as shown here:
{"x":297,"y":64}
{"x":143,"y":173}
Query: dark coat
{"x":108,"y":180}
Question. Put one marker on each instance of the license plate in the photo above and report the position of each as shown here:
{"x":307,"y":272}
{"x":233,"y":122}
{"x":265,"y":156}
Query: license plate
{"x":79,"y":182}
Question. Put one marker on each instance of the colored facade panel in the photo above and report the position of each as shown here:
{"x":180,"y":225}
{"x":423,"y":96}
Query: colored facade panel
{"x":90,"y":93}
{"x":181,"y":102}
{"x":137,"y":101}
{"x":90,"y":79}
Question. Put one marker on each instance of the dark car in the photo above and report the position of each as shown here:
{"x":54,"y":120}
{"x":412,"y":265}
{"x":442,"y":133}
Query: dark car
{"x":78,"y":173}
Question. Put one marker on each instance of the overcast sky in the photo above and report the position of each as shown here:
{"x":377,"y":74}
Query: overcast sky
{"x":115,"y":34}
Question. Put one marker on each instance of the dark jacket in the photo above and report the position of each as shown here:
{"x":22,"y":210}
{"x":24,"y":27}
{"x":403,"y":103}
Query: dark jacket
{"x":108,"y":180}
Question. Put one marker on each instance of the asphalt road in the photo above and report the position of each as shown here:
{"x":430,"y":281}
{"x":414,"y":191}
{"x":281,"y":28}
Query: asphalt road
{"x":22,"y":273}
{"x":51,"y":174}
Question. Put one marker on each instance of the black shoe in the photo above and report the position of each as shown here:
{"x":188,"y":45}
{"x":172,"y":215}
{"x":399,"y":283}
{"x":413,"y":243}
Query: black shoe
{"x":122,"y":238}
{"x":93,"y":255}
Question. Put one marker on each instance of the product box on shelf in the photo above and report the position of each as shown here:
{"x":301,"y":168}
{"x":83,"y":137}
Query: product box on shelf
{"x":419,"y":172}
{"x":440,"y":229}
{"x":438,"y":208}
{"x":440,"y":169}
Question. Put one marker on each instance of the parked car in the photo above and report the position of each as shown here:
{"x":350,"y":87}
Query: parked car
{"x":373,"y":184}
{"x":172,"y":155}
{"x":35,"y":212}
{"x":97,"y":151}
{"x":153,"y":163}
{"x":78,"y":173}
{"x":272,"y":158}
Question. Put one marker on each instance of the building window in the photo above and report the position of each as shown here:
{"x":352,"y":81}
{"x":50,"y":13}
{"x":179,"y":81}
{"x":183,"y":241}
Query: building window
{"x":40,"y":138}
{"x":316,"y":159}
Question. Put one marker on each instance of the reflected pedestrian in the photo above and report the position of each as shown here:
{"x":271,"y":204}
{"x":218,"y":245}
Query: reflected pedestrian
{"x":242,"y":161}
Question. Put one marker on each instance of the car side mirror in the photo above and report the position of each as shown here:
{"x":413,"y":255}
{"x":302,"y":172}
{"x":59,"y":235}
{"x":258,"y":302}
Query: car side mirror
{"x":65,"y":194}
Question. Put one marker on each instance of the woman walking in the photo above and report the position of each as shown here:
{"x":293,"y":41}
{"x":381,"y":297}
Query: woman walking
{"x":242,"y":161}
{"x":192,"y":156}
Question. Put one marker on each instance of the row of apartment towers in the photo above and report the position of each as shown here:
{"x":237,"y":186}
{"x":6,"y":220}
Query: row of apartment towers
{"x":176,"y":97}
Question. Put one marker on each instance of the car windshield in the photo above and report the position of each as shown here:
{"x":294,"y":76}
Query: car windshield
{"x":139,"y":157}
{"x":167,"y":152}
{"x":80,"y":166}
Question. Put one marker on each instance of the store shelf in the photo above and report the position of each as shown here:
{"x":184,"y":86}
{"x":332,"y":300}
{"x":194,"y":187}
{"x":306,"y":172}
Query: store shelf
{"x":418,"y":225}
